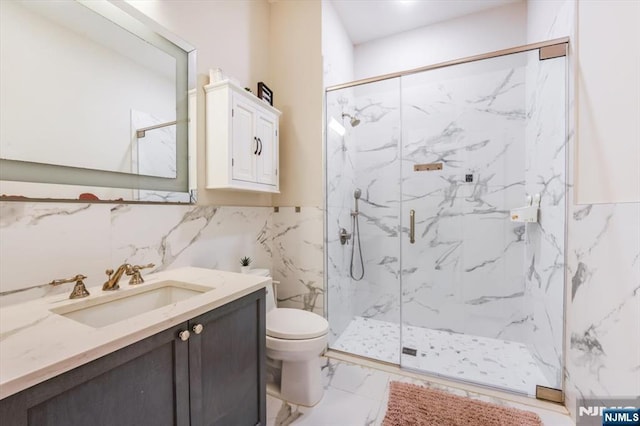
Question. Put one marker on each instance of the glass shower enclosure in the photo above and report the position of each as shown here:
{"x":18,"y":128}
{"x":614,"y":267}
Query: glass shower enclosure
{"x":445,"y":218}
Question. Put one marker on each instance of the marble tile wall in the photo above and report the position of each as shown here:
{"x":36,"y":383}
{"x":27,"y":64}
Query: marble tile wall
{"x":471,"y":270}
{"x":603,"y":271}
{"x":365,"y":158}
{"x":340,"y":161}
{"x":297,"y":257}
{"x":155,"y":153}
{"x":603,"y":302}
{"x":377,"y":176}
{"x":40,"y":242}
{"x":546,"y":174}
{"x":444,"y":120}
{"x":464,"y":272}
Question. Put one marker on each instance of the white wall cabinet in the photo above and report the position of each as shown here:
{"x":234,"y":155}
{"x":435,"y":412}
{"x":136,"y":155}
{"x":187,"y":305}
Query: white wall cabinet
{"x":241,"y":140}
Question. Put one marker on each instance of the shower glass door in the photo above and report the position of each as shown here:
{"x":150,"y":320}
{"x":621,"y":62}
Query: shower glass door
{"x":363,"y":159}
{"x":482,"y":296}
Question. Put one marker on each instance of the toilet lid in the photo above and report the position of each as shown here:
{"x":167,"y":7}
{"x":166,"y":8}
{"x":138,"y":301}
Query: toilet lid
{"x":295,"y":324}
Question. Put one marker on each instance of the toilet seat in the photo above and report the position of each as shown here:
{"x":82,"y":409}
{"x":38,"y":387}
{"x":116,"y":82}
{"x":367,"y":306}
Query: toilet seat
{"x":288,"y":349}
{"x":295,"y":324}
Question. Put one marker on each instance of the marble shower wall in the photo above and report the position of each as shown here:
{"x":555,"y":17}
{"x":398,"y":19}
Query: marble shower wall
{"x":464,"y":272}
{"x":471,"y":270}
{"x":365,"y":158}
{"x":155,"y":153}
{"x":40,"y":242}
{"x":377,"y":175}
{"x":340,"y":160}
{"x":546,"y":174}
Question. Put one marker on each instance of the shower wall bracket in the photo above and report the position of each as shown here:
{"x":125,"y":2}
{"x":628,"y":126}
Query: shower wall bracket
{"x":549,"y":394}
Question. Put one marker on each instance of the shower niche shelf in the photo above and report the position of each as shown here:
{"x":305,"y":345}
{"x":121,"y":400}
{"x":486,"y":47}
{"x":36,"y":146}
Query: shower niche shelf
{"x":242,"y":148}
{"x":528,"y":213}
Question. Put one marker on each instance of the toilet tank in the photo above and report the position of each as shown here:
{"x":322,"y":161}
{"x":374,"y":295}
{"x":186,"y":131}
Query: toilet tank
{"x":271,"y":295}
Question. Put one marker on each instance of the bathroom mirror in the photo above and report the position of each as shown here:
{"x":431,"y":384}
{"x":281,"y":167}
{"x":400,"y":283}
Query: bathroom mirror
{"x":94,"y":94}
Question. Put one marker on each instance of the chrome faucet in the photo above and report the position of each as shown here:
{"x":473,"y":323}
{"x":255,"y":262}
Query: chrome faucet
{"x":112,"y":282}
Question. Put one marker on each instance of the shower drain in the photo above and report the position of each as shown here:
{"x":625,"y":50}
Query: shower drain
{"x":409,"y":351}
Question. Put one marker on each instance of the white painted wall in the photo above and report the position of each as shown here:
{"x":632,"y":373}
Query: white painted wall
{"x":608,"y":84}
{"x":232,"y":35}
{"x":337,"y":48}
{"x":228,"y":34}
{"x":605,"y":69}
{"x":548,"y":20}
{"x":275,"y":42}
{"x":295,"y":75}
{"x":494,"y":29}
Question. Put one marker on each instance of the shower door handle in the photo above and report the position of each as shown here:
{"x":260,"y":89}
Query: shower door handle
{"x":412,"y":226}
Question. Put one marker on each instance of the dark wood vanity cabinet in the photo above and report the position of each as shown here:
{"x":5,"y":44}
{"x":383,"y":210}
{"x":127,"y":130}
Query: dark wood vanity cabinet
{"x":215,"y":377}
{"x":227,"y":364}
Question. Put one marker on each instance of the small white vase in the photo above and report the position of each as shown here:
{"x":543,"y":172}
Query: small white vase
{"x":245,"y":269}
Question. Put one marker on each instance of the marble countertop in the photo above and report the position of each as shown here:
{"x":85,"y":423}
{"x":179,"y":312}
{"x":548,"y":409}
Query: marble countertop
{"x":37,"y":344}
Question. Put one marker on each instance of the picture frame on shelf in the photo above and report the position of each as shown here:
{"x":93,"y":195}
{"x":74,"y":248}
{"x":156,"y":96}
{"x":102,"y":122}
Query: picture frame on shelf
{"x":265,"y":93}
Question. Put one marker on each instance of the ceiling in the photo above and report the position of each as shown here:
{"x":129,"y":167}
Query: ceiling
{"x":366,"y":20}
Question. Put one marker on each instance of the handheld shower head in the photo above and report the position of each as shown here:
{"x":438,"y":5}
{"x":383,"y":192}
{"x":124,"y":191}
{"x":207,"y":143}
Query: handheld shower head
{"x":353,"y":120}
{"x":356,"y":194}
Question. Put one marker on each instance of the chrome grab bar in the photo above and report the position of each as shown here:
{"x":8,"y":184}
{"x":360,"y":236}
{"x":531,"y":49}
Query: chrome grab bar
{"x":412,"y":226}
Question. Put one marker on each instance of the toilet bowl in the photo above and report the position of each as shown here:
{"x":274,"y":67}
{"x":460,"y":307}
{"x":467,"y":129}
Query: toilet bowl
{"x":296,"y":338}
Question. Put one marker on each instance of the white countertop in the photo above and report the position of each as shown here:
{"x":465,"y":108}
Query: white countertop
{"x":37,"y":344}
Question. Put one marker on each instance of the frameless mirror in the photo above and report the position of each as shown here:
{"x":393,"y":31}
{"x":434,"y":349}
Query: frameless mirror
{"x":93,"y":95}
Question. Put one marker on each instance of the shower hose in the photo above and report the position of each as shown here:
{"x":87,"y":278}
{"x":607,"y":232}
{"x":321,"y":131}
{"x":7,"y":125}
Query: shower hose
{"x":355,"y":228}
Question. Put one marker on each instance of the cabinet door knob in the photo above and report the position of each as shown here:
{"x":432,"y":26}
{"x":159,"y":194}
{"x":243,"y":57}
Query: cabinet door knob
{"x":184,"y":335}
{"x":198,"y":328}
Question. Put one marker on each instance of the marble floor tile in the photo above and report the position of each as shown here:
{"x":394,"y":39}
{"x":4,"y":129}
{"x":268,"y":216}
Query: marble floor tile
{"x":358,"y":379}
{"x":493,"y":362}
{"x":371,"y":338}
{"x":357,"y":395}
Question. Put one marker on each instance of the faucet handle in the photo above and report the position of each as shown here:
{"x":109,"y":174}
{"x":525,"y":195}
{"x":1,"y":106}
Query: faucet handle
{"x":79,"y":290}
{"x":134,"y":272}
{"x":109,"y":284}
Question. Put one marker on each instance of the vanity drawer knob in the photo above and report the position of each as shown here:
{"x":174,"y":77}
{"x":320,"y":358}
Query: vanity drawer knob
{"x":198,"y":328}
{"x":184,"y":335}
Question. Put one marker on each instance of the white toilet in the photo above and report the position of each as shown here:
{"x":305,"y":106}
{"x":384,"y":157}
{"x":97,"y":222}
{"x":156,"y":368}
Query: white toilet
{"x":297,"y":338}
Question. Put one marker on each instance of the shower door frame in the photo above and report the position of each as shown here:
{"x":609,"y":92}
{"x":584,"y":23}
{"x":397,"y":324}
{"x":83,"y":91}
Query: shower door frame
{"x":465,"y":60}
{"x":549,"y":49}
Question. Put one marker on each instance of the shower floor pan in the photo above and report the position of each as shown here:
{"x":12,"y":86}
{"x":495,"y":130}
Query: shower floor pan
{"x":492,"y":362}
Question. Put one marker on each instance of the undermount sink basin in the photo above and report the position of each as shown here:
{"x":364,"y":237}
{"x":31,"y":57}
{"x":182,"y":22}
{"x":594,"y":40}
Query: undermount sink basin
{"x":124,"y":304}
